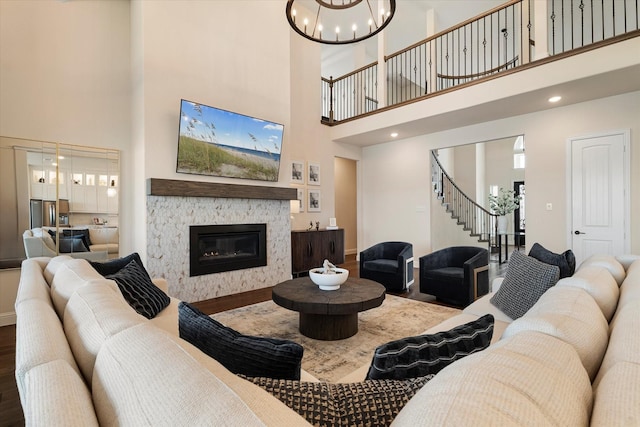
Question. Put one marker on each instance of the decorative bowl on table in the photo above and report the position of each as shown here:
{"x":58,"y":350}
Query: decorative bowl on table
{"x":328,"y":281}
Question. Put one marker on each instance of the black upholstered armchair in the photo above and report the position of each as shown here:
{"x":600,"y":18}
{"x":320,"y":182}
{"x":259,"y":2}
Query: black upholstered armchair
{"x":457,"y":275}
{"x":388,"y":263}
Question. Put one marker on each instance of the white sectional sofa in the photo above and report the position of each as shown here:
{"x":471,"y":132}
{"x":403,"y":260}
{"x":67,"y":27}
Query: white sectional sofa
{"x":84,"y":357}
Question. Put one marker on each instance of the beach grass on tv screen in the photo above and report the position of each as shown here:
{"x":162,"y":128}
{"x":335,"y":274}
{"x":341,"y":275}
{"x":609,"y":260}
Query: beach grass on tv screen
{"x":203,"y":158}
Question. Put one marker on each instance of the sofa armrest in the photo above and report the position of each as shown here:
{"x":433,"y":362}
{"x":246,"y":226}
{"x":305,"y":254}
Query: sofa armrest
{"x":36,"y":247}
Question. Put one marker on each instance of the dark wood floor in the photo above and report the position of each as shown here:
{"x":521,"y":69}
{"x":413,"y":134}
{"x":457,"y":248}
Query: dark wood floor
{"x":11,"y":411}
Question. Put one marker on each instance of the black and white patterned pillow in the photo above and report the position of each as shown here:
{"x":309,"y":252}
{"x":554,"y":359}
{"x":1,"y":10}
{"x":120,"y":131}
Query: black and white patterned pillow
{"x":370,"y":403}
{"x":241,"y":354}
{"x":524,"y":283}
{"x":139,"y":291}
{"x":422,"y":355}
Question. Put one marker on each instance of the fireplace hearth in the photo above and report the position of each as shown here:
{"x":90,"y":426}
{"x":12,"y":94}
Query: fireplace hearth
{"x":218,"y":248}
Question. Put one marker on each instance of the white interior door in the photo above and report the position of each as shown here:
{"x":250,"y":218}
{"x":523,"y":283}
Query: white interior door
{"x":599,"y":179}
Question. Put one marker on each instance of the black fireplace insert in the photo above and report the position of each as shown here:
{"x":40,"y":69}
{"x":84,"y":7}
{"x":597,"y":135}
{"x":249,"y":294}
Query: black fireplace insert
{"x":218,"y":248}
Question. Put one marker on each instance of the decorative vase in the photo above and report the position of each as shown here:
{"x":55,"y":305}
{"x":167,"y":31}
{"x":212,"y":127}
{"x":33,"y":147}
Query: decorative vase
{"x":502,"y":224}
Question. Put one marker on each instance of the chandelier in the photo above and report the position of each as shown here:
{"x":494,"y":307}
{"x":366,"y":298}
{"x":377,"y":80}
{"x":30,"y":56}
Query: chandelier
{"x":339,"y":21}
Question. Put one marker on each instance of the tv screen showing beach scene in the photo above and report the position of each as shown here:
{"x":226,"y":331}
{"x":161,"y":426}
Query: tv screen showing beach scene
{"x":217,"y":142}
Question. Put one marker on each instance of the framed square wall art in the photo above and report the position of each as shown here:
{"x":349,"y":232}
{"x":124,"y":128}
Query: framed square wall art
{"x":301,"y":198}
{"x":297,"y":172}
{"x":314,"y":174}
{"x":314,"y":201}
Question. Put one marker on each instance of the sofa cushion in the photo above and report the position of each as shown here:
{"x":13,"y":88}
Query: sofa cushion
{"x":382,"y":265}
{"x":422,"y":355}
{"x":241,"y":354}
{"x":624,"y":339}
{"x":142,"y":377}
{"x":93,"y":314}
{"x":370,"y":403}
{"x":525,"y":281}
{"x":610,"y":263}
{"x":139,"y":291}
{"x":113,"y":266}
{"x":530,"y":379}
{"x":70,"y":276}
{"x":53,"y":265}
{"x":565,"y":261}
{"x":571,"y":315}
{"x":630,"y":288}
{"x":599,"y":283}
{"x":617,"y":397}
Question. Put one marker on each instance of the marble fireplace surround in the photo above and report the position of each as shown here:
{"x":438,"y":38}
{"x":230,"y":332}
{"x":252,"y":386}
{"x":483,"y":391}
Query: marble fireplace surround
{"x":174,"y":205}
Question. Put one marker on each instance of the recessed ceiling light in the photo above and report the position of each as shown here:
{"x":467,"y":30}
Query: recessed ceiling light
{"x":555,"y":98}
{"x":394,"y":134}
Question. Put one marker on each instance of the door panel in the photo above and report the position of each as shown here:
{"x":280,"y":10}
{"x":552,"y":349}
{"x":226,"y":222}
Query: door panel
{"x":598,"y":195}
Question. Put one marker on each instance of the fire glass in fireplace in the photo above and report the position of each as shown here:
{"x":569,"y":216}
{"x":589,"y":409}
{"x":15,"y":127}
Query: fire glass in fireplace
{"x":217,"y":248}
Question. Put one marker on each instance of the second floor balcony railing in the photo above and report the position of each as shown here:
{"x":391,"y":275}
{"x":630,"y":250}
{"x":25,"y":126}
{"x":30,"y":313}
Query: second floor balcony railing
{"x":499,"y":40}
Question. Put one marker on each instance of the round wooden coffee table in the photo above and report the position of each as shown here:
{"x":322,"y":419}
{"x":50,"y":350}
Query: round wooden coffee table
{"x":328,"y":315}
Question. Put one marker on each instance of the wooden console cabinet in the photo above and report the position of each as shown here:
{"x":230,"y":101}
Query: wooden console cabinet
{"x":309,"y":249}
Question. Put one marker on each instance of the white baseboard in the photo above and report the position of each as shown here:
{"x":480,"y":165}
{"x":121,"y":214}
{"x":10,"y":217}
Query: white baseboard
{"x":7,"y":319}
{"x":350,"y":251}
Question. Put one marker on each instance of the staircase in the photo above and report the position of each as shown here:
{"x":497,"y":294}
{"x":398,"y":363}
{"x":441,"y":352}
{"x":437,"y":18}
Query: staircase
{"x":473,"y":218}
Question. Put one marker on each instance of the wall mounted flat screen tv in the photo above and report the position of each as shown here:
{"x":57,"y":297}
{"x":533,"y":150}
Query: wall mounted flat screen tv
{"x":217,"y":142}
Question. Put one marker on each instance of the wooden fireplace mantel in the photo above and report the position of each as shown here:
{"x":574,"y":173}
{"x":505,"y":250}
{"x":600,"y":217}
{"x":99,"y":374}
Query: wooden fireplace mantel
{"x":175,"y":187}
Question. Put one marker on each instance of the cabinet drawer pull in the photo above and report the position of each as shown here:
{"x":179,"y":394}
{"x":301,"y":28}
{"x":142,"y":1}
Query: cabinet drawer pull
{"x":332,"y":246}
{"x":309,"y":249}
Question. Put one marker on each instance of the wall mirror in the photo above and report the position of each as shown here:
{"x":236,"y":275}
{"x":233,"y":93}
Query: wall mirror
{"x":60,"y":195}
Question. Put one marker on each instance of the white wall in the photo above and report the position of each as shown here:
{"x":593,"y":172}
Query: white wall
{"x":396,"y":178}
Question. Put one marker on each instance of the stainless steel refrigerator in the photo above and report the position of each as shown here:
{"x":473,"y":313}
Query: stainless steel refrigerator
{"x":43,"y":213}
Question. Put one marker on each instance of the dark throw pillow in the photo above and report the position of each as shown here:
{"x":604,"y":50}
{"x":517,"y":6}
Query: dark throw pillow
{"x":139,"y":291}
{"x":369,"y":403}
{"x":422,"y":355}
{"x":565,"y":261}
{"x":82,"y":234}
{"x":241,"y":354}
{"x":67,"y":245}
{"x":524,"y":283}
{"x":114,"y":265}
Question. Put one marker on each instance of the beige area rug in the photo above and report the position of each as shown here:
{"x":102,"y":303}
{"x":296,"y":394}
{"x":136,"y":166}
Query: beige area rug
{"x":331,"y":360}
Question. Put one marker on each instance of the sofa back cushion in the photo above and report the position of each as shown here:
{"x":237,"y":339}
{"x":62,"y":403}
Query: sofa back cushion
{"x":571,"y":315}
{"x":103,"y":236}
{"x":94,"y":313}
{"x":529,"y":379}
{"x":630,"y":288}
{"x":610,"y":263}
{"x":599,"y":283}
{"x":70,"y":276}
{"x":53,"y":265}
{"x":143,"y":377}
